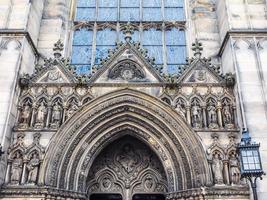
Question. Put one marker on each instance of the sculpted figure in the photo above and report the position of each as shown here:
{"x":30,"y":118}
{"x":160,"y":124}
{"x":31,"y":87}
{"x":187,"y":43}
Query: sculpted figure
{"x":212,"y":117}
{"x":16,"y":169}
{"x":217,"y":169}
{"x":41,"y":114}
{"x":33,"y":168}
{"x":72,"y":110}
{"x":196,"y":116}
{"x":181,"y":110}
{"x":56,"y":116}
{"x":227,"y":114}
{"x":234,"y":170}
{"x":26,"y":114}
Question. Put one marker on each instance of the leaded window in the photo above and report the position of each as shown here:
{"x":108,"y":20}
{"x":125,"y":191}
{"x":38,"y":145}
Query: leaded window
{"x":159,"y":26}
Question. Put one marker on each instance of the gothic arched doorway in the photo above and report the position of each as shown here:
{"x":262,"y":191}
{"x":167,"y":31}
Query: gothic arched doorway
{"x":129,"y":169}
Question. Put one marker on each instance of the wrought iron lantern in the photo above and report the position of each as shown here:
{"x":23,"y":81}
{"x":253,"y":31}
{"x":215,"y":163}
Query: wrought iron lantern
{"x":250,"y":161}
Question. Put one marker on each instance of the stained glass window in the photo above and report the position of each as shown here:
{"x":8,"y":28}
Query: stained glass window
{"x":176,"y":49}
{"x":105,"y":40}
{"x":166,"y":44}
{"x":82,"y":50}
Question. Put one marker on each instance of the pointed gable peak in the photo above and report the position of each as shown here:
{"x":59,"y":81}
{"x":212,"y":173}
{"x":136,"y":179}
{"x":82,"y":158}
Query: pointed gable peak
{"x":53,"y":70}
{"x":128,"y":62}
{"x":200,"y":69}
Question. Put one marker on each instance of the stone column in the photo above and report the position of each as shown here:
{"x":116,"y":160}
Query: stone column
{"x":64,"y":113}
{"x":23,"y":177}
{"x":226,"y":172}
{"x":48,"y":117}
{"x":188,"y":114}
{"x":219,"y":113}
{"x":204,"y":113}
{"x":234,"y":116}
{"x":7,"y":179}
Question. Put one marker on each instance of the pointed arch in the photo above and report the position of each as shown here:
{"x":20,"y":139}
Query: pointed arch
{"x":76,"y":145}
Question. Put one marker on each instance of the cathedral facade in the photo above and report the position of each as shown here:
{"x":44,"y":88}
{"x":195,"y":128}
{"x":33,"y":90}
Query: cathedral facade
{"x":131,"y":99}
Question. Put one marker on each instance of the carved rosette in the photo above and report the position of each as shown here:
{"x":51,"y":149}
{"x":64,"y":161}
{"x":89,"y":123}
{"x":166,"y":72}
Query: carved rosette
{"x":127,"y":71}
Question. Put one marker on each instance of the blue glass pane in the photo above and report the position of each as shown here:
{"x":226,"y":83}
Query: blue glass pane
{"x":156,"y":52}
{"x":107,"y":14}
{"x":152,"y":37}
{"x":151,"y":3}
{"x":175,"y":37}
{"x":130,"y":3}
{"x":176,"y":54}
{"x":101,"y":53}
{"x":81,"y":54}
{"x":106,"y":37}
{"x":82,"y":69}
{"x":82,"y":37}
{"x":85,"y":14}
{"x":107,"y":3}
{"x":174,"y":3}
{"x":129,"y":14}
{"x":152,"y":14}
{"x":135,"y":36}
{"x":172,"y":69}
{"x":86,"y":3}
{"x":176,"y":14}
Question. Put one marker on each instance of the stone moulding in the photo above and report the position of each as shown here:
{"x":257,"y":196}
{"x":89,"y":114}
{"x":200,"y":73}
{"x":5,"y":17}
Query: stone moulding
{"x":44,"y":193}
{"x":49,"y":193}
{"x":147,"y":110}
{"x":216,"y":192}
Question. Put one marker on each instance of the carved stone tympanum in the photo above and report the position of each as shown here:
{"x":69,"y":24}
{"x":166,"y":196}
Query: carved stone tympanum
{"x":127,"y":71}
{"x":130,"y":166}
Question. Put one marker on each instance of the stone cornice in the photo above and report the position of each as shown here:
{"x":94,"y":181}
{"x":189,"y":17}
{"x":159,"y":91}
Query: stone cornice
{"x":124,"y":85}
{"x":240,"y":33}
{"x":20,"y":32}
{"x":38,"y":191}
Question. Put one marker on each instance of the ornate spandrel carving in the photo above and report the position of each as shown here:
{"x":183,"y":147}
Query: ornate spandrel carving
{"x":41,"y":115}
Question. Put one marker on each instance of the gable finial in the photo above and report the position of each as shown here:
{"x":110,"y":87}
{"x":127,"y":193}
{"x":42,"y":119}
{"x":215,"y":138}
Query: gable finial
{"x":197,"y":48}
{"x":128,"y":32}
{"x":58,"y":48}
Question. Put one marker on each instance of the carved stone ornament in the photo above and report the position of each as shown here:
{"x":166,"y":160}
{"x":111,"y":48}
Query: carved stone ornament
{"x":127,"y":70}
{"x":131,"y":165}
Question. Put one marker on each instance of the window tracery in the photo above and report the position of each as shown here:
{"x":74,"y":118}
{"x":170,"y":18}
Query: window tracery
{"x":159,"y":25}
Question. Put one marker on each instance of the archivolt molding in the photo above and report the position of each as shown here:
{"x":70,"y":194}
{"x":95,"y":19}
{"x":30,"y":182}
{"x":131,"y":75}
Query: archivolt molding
{"x":96,"y":124}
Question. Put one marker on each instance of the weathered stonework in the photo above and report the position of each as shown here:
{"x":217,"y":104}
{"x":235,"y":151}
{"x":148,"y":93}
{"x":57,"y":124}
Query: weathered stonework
{"x":54,"y":124}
